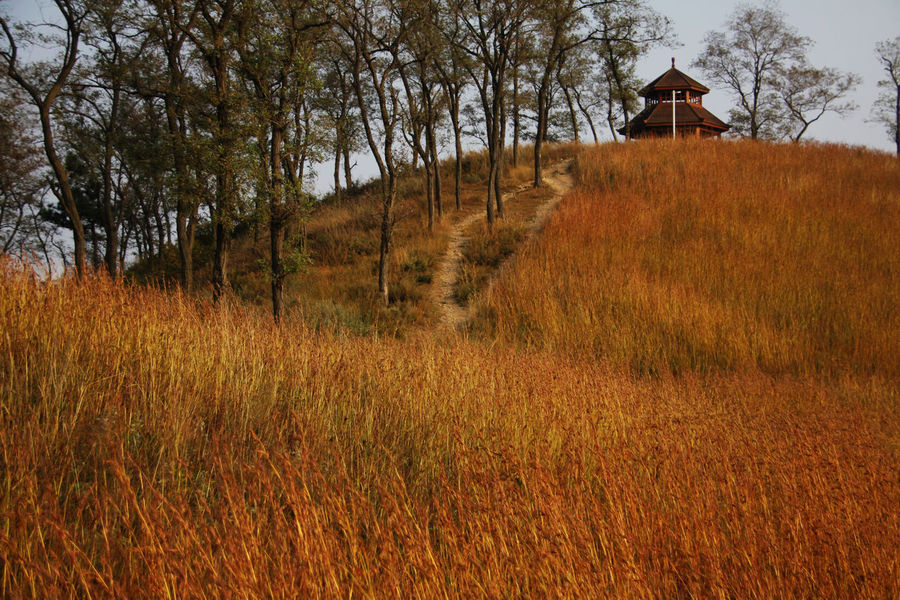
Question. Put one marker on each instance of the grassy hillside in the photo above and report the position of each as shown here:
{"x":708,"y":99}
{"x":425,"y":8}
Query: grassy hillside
{"x":153,"y":446}
{"x":337,"y":289}
{"x":701,"y":257}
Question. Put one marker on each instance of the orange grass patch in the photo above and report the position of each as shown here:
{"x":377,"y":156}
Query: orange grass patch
{"x":153,"y":446}
{"x":716,"y":256}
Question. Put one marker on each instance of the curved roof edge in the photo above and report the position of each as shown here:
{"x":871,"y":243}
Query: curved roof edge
{"x":673,"y":79}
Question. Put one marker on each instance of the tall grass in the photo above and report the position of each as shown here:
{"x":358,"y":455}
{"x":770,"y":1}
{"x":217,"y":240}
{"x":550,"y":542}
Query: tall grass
{"x":710,"y":256}
{"x":154,"y":447}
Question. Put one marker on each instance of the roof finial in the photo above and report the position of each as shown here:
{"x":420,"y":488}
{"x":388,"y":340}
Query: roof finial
{"x":673,"y":62}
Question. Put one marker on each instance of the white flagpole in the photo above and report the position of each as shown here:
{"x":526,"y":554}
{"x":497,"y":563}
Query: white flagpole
{"x":673,"y":113}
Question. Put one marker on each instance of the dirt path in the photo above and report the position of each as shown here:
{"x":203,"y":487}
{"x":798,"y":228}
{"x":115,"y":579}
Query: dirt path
{"x":452,"y":313}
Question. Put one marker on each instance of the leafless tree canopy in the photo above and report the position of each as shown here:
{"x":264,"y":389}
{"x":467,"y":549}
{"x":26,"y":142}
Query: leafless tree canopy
{"x":762,"y":60}
{"x":887,"y":107}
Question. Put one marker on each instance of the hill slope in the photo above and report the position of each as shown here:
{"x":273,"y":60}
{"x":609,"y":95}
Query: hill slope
{"x":152,"y":445}
{"x":697,"y":256}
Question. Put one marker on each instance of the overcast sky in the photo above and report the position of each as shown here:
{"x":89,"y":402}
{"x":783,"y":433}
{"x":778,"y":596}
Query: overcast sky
{"x":844,"y":34}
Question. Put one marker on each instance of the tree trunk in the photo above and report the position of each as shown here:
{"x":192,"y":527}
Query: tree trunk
{"x":429,"y":194}
{"x":610,"y":117}
{"x":160,"y":229}
{"x":67,"y":198}
{"x":457,"y":139}
{"x":554,"y":59}
{"x":95,"y":247}
{"x":147,"y":230}
{"x":516,"y":121}
{"x":388,"y":110}
{"x":492,"y":190}
{"x":387,"y":225}
{"x":337,"y":168}
{"x":436,"y":166}
{"x":185,"y":205}
{"x":223,"y":185}
{"x":897,"y":121}
{"x":619,"y":86}
{"x":587,"y":115}
{"x":573,"y":116}
{"x":348,"y":168}
{"x":539,"y":137}
{"x":754,"y":125}
{"x":431,"y":150}
{"x":501,"y":150}
{"x":110,"y":225}
{"x":277,"y":222}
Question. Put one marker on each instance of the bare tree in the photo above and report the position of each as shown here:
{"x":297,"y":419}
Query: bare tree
{"x":570,"y":76}
{"x":491,"y":29}
{"x":96,"y":105}
{"x":43,"y":84}
{"x":374,"y":37}
{"x":421,"y":83}
{"x":748,"y":58}
{"x":808,"y":93}
{"x":887,"y":107}
{"x":336,"y":102}
{"x":451,"y":67}
{"x":626,"y":30}
{"x":561,"y":26}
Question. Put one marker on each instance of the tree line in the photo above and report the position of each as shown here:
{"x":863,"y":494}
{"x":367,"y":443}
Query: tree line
{"x":160,"y":116}
{"x":161,"y":120}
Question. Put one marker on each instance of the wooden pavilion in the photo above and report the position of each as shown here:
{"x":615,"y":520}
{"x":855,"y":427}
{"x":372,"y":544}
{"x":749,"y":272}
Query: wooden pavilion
{"x":673,"y":106}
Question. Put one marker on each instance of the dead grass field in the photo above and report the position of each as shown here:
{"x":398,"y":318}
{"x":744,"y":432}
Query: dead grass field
{"x":153,"y":446}
{"x":693,"y":256}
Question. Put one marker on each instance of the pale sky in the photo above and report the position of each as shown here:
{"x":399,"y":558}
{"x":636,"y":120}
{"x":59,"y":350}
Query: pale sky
{"x":844,"y":34}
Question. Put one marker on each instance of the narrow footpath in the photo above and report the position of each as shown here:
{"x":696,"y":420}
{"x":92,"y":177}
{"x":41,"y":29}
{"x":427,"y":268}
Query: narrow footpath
{"x":453,"y":314}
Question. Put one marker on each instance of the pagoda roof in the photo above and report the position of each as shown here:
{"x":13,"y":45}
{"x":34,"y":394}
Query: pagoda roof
{"x":673,"y":79}
{"x":686,"y":113}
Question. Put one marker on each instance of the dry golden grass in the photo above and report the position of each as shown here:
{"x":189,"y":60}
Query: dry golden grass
{"x":717,"y":256}
{"x":153,"y":446}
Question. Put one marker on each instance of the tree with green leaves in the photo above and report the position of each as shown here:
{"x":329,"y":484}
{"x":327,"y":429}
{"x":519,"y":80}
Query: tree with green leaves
{"x":276,"y":59}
